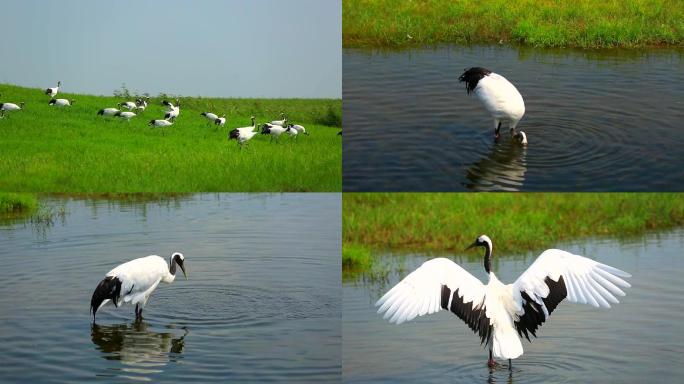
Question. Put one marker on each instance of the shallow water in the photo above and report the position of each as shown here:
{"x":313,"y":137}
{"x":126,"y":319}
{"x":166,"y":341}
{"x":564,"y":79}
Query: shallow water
{"x":595,"y":120}
{"x":262,"y":302}
{"x":638,"y":340}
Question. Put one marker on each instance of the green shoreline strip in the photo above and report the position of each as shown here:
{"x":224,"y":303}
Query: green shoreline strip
{"x":517,"y":222}
{"x":540,"y":23}
{"x":14,"y":205}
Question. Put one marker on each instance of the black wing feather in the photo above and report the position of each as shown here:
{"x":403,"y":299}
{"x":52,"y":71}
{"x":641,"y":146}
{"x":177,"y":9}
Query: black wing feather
{"x":534,"y":316}
{"x":109,"y":288}
{"x":473,"y":315}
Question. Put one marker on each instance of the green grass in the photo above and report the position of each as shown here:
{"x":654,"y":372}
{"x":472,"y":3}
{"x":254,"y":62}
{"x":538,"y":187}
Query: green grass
{"x":13,"y":205}
{"x":516,"y":222}
{"x":356,"y":257}
{"x":45,"y":149}
{"x":543,"y":23}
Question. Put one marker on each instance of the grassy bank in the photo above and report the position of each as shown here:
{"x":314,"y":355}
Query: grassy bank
{"x":13,"y":205}
{"x":44,"y":149}
{"x":544,"y":23}
{"x":517,"y":222}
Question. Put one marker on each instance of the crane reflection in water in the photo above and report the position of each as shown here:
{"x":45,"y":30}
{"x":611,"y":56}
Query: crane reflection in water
{"x":141,"y":350}
{"x":502,"y":169}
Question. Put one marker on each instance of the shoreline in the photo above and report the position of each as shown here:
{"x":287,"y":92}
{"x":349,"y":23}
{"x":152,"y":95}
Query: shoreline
{"x":538,"y":23}
{"x":447,"y":223}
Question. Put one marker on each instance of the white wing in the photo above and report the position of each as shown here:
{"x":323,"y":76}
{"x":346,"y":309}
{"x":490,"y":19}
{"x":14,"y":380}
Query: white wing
{"x":245,"y":130}
{"x":138,"y":276}
{"x":500,"y":97}
{"x":423,"y":292}
{"x":557,"y":275}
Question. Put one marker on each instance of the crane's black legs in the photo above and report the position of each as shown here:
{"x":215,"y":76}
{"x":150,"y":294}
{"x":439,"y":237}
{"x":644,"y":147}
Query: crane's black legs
{"x":491,"y":363}
{"x":510,"y":365}
{"x":138,"y":313}
{"x":496,"y":131}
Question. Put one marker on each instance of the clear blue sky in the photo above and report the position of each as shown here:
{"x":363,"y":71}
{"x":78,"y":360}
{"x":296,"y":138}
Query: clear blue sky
{"x":231,"y":48}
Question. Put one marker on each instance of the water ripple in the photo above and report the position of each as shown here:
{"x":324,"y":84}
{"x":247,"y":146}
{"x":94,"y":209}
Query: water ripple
{"x":592,"y":123}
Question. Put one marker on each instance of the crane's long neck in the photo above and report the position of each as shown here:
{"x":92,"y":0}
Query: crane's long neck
{"x":171,"y":276}
{"x":172,"y":266}
{"x":488,"y":258}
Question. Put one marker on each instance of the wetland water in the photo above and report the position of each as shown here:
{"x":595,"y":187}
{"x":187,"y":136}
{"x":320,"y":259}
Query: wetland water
{"x":261,"y":304}
{"x":637,"y":341}
{"x":595,"y":120}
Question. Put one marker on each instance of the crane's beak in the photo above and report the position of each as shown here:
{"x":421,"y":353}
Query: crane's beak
{"x":474,"y":244}
{"x":182,"y":265}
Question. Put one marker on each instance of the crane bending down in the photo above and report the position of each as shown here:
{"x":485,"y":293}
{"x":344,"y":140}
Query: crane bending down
{"x":501,"y":99}
{"x":133,"y":282}
{"x":502,"y":314}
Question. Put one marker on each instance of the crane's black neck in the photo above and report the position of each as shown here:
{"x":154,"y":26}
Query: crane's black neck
{"x":488,"y":258}
{"x":172,"y":266}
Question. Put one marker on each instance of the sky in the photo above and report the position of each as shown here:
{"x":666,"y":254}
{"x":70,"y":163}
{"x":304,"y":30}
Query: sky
{"x":220,"y":48}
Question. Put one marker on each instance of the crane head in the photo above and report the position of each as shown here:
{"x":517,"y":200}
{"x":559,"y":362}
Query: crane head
{"x":482,"y":241}
{"x":179,"y":259}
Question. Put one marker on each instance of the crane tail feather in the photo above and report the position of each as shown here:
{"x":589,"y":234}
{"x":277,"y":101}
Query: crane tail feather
{"x":108,"y":289}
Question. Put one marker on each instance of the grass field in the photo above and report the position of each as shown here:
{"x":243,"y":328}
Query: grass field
{"x":544,"y":23}
{"x":45,"y":149}
{"x":516,"y":222}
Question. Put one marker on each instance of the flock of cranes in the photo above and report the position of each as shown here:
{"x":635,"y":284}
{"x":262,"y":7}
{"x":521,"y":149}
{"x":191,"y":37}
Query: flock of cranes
{"x":127,"y":110}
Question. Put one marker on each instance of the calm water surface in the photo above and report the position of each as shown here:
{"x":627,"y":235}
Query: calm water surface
{"x":639,"y":340}
{"x":595,"y":120}
{"x":262,"y":303}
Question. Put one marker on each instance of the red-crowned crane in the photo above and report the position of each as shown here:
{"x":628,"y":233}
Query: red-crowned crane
{"x":220,"y":121}
{"x":282,"y":122}
{"x":61,"y":102}
{"x":10,"y":107}
{"x":107,"y":112}
{"x":501,"y":99}
{"x":54,"y":90}
{"x":503,"y":313}
{"x":133,"y":282}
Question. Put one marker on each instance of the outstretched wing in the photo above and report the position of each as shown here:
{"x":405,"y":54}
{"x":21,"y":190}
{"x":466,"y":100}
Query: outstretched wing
{"x":438,"y":284}
{"x":557,"y":275}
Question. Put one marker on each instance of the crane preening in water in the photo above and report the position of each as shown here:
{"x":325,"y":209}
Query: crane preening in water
{"x":501,"y":99}
{"x":501,"y":314}
{"x":133,"y":282}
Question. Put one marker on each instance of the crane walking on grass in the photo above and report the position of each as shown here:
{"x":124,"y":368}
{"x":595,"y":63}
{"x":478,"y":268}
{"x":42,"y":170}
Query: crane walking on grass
{"x":108,"y":112}
{"x":282,"y":122}
{"x":274,"y":130}
{"x":10,"y":107}
{"x":220,"y":121}
{"x":501,"y":99}
{"x":141,"y":104}
{"x":174,"y":110}
{"x":130,"y":105}
{"x":125,"y":115}
{"x":210,"y":116}
{"x":503,"y":313}
{"x":298,"y":128}
{"x":160,"y":123}
{"x":54,"y":90}
{"x":133,"y":282}
{"x":61,"y":102}
{"x":241,"y":136}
